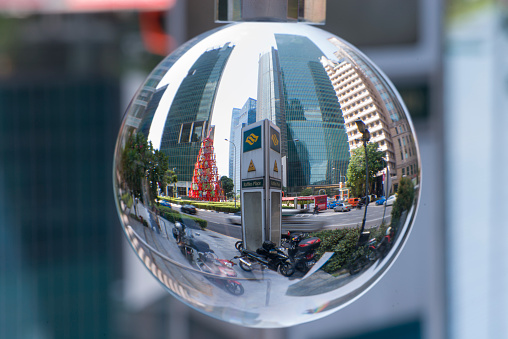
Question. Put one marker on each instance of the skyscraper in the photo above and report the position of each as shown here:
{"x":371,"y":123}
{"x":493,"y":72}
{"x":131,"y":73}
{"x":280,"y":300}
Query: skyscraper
{"x":271,"y":104}
{"x":240,"y":118}
{"x":188,"y":119}
{"x":316,"y":139}
{"x":363,"y":95}
{"x":149,"y":113}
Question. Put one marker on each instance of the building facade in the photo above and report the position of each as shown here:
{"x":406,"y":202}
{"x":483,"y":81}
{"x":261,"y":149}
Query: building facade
{"x":240,"y":117}
{"x":316,"y":139}
{"x":363,"y":95}
{"x":187,"y":122}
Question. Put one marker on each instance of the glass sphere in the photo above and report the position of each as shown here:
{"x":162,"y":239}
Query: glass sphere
{"x":323,"y":229}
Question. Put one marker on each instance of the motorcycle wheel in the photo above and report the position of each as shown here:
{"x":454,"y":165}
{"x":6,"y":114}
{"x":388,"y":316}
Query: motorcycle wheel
{"x":287,"y":269}
{"x":234,"y":288}
{"x":245,"y":267}
{"x":239,"y":245}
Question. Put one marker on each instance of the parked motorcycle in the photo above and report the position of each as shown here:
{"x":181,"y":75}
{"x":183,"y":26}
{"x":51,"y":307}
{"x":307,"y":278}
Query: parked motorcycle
{"x":267,"y":255}
{"x":189,"y":245}
{"x":222,"y":271}
{"x":371,"y":250}
{"x":302,"y":252}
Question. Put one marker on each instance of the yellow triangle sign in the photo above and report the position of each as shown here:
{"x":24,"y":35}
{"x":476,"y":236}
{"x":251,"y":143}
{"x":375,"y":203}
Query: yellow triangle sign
{"x":251,"y":167}
{"x":275,"y":169}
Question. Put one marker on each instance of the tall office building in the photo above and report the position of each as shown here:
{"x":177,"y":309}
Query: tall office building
{"x":235,"y":116}
{"x":363,"y":95}
{"x":240,"y":118}
{"x":149,"y":113}
{"x":271,"y":103}
{"x":316,"y":140}
{"x":188,"y":119}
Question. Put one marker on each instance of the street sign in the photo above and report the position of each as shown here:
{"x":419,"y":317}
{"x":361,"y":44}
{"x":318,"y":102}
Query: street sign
{"x":274,"y":140}
{"x":252,"y":139}
{"x":261,"y":177}
{"x":256,"y":183}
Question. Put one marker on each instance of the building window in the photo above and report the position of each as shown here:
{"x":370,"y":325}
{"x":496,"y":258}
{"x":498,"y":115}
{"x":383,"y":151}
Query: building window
{"x":185,"y":131}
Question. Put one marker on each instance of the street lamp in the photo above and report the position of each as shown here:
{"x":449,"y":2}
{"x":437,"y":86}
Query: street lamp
{"x":340,"y":176}
{"x":365,"y":138}
{"x":175,"y":195}
{"x":234,"y":169}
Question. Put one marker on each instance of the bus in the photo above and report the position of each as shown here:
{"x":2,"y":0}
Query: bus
{"x":321,"y":201}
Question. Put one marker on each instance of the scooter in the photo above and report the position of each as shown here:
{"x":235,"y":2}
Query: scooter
{"x":267,"y":255}
{"x":223,"y":271}
{"x":302,"y":252}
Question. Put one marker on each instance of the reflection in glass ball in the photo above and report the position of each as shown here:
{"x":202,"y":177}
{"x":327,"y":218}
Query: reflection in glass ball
{"x":319,"y":227}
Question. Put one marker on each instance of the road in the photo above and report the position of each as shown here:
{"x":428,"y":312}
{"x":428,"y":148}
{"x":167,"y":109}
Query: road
{"x":306,"y":222}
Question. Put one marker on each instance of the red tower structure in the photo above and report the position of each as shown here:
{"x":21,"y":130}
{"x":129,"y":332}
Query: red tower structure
{"x":206,"y":184}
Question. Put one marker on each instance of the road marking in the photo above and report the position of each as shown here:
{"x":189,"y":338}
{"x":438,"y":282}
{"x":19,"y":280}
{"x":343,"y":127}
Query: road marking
{"x":356,"y":223}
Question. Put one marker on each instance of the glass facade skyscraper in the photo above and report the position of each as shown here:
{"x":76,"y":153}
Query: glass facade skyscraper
{"x":316,"y":138}
{"x":151,"y":107}
{"x":188,"y":119}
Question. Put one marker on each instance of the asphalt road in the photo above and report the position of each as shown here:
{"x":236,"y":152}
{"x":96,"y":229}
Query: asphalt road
{"x":308,"y":222}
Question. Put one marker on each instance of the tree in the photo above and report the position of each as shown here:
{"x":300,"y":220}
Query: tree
{"x":405,"y":198}
{"x":142,"y":165}
{"x":227,"y":185}
{"x":306,"y":192}
{"x":169,"y":178}
{"x":356,"y":168}
{"x":156,"y":172}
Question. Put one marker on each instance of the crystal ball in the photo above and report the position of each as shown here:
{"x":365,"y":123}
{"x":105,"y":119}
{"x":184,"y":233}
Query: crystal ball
{"x":267,"y":174}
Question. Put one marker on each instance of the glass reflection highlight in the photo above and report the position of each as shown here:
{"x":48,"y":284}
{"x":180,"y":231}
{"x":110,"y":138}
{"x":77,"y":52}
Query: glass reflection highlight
{"x":349,"y":168}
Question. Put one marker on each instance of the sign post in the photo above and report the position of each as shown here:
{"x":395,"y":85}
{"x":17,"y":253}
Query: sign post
{"x":261,"y":188}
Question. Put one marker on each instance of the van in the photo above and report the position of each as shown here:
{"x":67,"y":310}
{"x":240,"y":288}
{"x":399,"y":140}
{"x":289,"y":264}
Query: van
{"x":353,"y":201}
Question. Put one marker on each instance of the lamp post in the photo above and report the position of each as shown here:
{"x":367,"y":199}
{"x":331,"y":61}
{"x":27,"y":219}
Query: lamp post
{"x":365,"y":138}
{"x":175,"y":195}
{"x":234,"y":169}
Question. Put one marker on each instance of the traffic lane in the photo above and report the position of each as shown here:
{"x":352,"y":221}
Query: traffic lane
{"x":234,"y":231}
{"x":375,"y":217}
{"x":217,"y":222}
{"x":305,"y":222}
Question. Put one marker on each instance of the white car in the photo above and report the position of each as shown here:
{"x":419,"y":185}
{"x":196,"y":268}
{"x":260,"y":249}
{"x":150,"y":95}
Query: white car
{"x":390,"y":200}
{"x":235,"y":218}
{"x":342,"y":207}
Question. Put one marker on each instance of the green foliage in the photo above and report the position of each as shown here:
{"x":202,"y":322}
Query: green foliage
{"x":141,"y":220}
{"x":343,"y":242}
{"x":141,"y":165}
{"x":169,"y":178}
{"x":405,"y":198}
{"x":227,"y":185}
{"x":340,"y":241}
{"x":356,"y":168}
{"x":127,"y":200}
{"x":223,"y":206}
{"x":172,"y":216}
{"x":306,"y":192}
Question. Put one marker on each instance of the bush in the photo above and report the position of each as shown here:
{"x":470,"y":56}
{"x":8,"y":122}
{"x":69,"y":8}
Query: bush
{"x":141,"y":220}
{"x":127,"y":199}
{"x":220,"y":206}
{"x":172,"y":216}
{"x":343,"y":243}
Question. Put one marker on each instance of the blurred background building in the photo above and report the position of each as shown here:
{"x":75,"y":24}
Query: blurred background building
{"x":67,"y":73}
